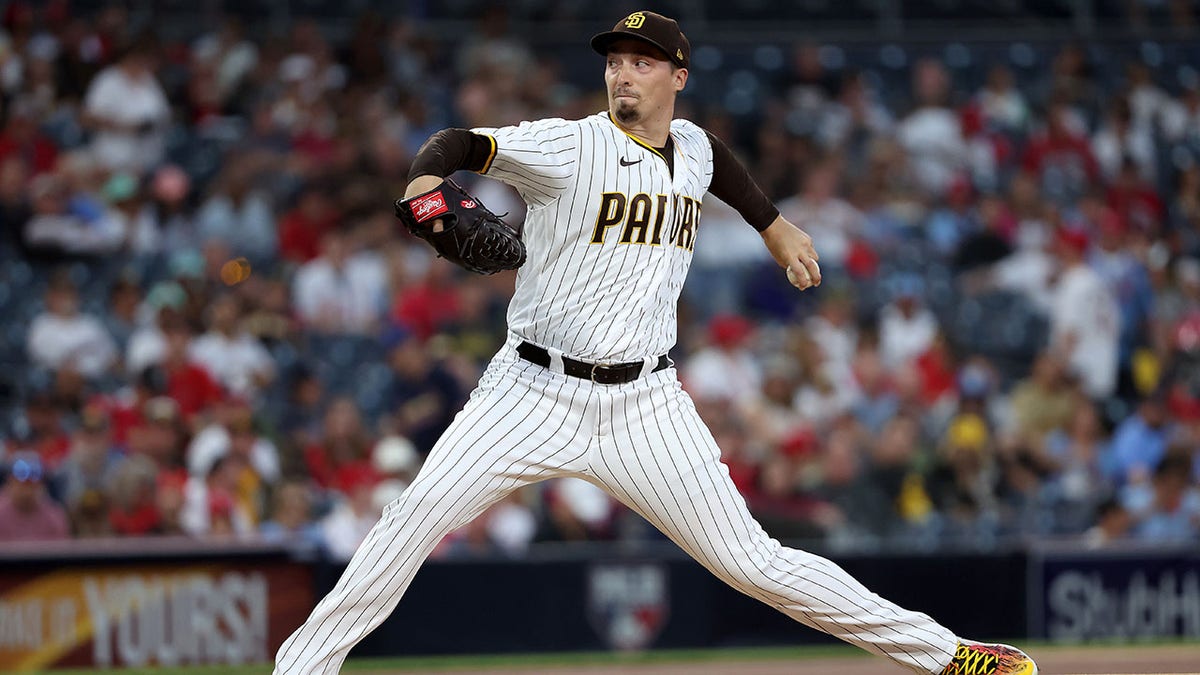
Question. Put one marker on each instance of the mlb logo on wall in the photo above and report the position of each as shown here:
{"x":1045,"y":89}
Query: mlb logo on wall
{"x":628,"y":603}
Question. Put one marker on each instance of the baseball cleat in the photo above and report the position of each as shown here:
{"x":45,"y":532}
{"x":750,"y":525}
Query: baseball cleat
{"x":976,"y":658}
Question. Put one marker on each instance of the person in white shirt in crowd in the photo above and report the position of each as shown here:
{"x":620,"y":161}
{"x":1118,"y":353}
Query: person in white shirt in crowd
{"x":127,"y":111}
{"x":341,"y":291}
{"x":932,"y":133}
{"x":164,"y":304}
{"x":726,"y":370}
{"x":234,"y":357}
{"x":63,"y":337}
{"x":831,"y":221}
{"x":833,"y":327}
{"x":1181,"y":117}
{"x":1084,"y":324}
{"x":906,"y":326}
{"x":1002,"y":104}
{"x":1030,"y":269}
{"x":1120,"y":139}
{"x":234,"y":433}
{"x":61,"y":225}
{"x":352,"y":517}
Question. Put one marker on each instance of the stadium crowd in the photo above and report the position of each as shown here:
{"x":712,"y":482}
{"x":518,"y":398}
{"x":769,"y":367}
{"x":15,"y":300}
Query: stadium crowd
{"x":214,"y":328}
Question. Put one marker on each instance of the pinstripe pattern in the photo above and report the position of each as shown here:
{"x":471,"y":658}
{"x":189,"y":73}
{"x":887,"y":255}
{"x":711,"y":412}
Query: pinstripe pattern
{"x":645,"y":444}
{"x":643,"y":441}
{"x":612,"y":302}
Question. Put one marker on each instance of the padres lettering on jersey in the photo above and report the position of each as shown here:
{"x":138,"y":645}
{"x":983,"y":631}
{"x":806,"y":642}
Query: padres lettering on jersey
{"x":642,"y":209}
{"x":608,"y":228}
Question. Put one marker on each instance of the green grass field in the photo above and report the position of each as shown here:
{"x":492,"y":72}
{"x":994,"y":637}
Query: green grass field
{"x":523,"y":663}
{"x":516,"y":661}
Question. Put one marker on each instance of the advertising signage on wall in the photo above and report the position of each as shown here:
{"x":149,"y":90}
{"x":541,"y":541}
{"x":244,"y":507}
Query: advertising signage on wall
{"x":1114,"y":594}
{"x":118,"y":615}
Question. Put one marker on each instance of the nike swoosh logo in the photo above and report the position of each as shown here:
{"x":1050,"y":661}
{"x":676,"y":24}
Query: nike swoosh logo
{"x":625,"y":163}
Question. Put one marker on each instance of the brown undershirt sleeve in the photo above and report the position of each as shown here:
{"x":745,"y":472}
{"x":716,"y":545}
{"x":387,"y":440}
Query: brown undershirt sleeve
{"x":449,"y":150}
{"x":732,"y":184}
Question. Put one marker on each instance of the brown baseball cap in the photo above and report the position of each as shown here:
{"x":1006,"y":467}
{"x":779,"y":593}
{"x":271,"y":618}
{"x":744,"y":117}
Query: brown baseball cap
{"x":651,"y":27}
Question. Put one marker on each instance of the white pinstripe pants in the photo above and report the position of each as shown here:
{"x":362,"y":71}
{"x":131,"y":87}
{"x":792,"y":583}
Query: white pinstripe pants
{"x":645,"y":444}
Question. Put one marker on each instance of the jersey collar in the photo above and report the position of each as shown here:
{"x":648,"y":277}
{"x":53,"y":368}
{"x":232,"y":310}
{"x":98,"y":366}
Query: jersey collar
{"x":639,"y":141}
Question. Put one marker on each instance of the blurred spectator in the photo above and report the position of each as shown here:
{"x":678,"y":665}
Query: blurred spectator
{"x":1139,"y":442}
{"x":62,"y":337}
{"x":134,"y":505}
{"x":826,"y":389}
{"x":396,"y":460}
{"x":121,"y":319}
{"x":963,"y":484}
{"x":1060,"y":157}
{"x":342,"y":453}
{"x":291,"y":519}
{"x":256,"y":465}
{"x":21,"y":137}
{"x":906,"y":326}
{"x":234,"y":357}
{"x":726,"y":369}
{"x":159,"y":433}
{"x":422,"y":398}
{"x":431,"y":304}
{"x":91,"y":460}
{"x":191,"y":385}
{"x":62,"y":225}
{"x":26,"y":512}
{"x":342,"y":291}
{"x":931,"y":133}
{"x":163,"y":306}
{"x":238,"y":213}
{"x":128,"y":111}
{"x":1074,"y":455}
{"x":1167,"y":509}
{"x":723,"y":260}
{"x":303,"y":230}
{"x":578,"y":511}
{"x":832,"y":222}
{"x":352,"y":517}
{"x":1085,"y":325}
{"x":1002,"y":104}
{"x":1113,"y":523}
{"x":854,"y":119}
{"x":1043,"y":402}
{"x":211,"y":507}
{"x":1120,"y":140}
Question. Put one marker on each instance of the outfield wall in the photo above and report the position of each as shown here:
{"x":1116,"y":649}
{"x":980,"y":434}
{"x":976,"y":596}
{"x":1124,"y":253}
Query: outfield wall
{"x":171,"y":602}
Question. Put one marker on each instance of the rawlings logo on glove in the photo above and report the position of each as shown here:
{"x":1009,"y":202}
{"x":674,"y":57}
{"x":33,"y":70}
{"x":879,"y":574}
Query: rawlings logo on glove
{"x":471,"y":235}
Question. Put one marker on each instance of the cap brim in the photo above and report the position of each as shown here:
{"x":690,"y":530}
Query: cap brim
{"x":602,"y":41}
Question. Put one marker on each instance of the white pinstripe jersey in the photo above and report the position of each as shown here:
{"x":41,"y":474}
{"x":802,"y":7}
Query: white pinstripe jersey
{"x":609,"y":233}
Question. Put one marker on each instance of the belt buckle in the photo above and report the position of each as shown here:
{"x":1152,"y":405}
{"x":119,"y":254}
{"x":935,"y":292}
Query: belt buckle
{"x":592,"y":372}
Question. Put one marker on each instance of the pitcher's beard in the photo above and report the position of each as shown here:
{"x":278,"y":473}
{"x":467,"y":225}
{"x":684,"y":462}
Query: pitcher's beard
{"x":627,"y":114}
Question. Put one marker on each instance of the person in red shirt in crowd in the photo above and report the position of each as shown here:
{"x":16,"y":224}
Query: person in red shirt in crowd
{"x":935,"y":368}
{"x":134,"y":494}
{"x":26,"y":512}
{"x":160,"y":435}
{"x":1135,"y":200}
{"x":430,"y":304}
{"x":343,"y":452}
{"x":21,"y":138}
{"x":192,"y":387}
{"x":1061,"y":151}
{"x":301,"y":229}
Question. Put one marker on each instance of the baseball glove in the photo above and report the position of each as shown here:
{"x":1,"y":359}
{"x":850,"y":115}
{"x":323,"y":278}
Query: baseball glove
{"x":471,"y":236}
